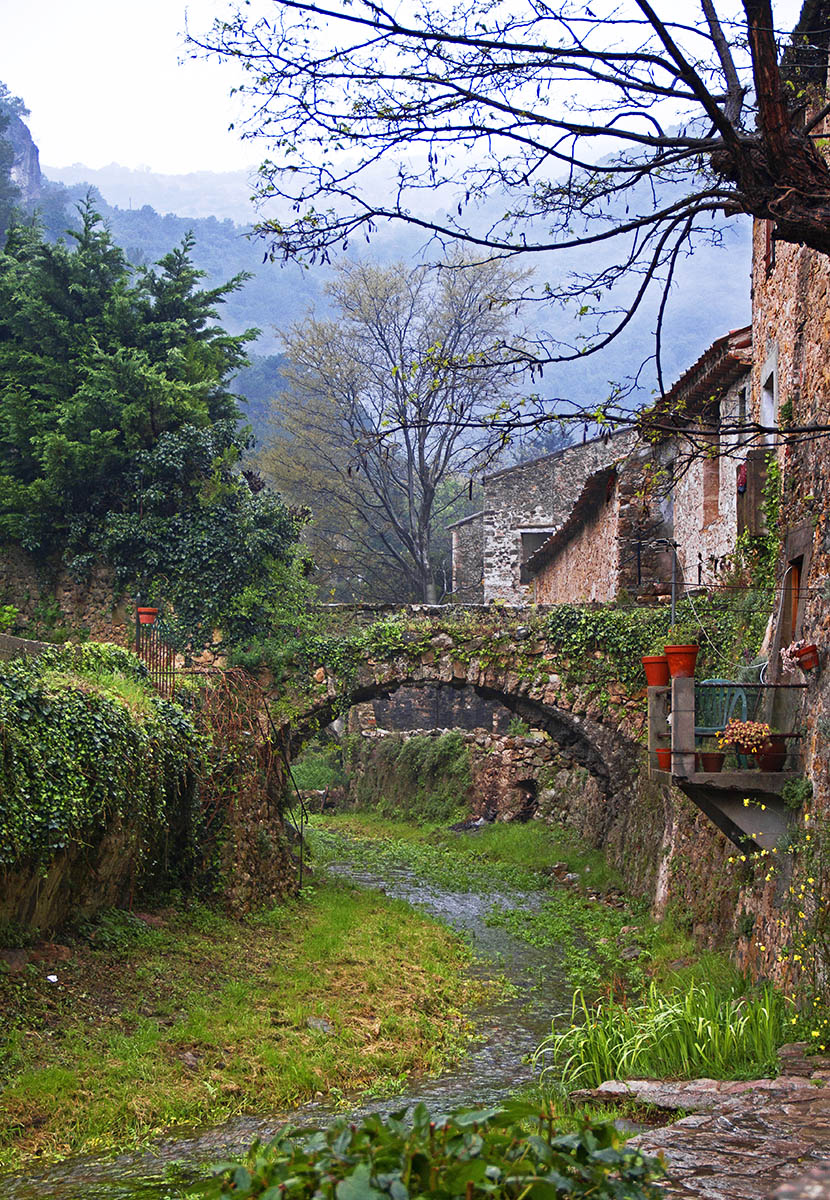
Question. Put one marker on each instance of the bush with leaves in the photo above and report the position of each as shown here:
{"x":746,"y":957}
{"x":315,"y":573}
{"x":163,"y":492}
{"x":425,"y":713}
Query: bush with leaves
{"x":97,"y":362}
{"x":497,"y":1152}
{"x":83,"y":738}
{"x":203,"y":536}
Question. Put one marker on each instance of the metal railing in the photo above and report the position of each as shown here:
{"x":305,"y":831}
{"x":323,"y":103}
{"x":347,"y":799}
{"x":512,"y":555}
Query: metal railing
{"x":158,"y":656}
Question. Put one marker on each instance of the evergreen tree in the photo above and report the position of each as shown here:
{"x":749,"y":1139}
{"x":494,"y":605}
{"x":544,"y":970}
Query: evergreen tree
{"x":10,"y":106}
{"x":96,"y":364}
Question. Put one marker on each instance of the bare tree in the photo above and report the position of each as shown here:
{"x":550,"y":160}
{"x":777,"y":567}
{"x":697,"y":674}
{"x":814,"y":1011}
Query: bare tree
{"x":611,"y":132}
{"x":374,"y":428}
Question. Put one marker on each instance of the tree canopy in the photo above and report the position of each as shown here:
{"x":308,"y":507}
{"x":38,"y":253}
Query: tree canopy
{"x":374,"y":422}
{"x":119,"y":434}
{"x":614,"y":134}
{"x":96,"y":363}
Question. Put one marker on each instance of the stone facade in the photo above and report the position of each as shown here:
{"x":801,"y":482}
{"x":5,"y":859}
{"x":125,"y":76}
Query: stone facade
{"x":468,"y":559}
{"x":50,"y":600}
{"x":615,"y":539}
{"x":708,"y":456}
{"x":527,"y":503}
{"x":680,"y":489}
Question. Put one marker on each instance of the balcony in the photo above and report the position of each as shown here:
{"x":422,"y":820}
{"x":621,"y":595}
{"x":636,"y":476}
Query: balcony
{"x":744,"y":803}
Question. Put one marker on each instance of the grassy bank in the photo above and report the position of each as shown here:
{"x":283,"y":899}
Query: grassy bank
{"x":648,"y":1002}
{"x":605,"y":938}
{"x":198,"y":1017}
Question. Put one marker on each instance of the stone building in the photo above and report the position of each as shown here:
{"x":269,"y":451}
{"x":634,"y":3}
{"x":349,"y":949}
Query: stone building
{"x":681,"y":492}
{"x":606,"y":516}
{"x":523,"y":505}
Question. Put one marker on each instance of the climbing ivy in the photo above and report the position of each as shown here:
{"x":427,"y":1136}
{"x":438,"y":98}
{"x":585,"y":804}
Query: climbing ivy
{"x":417,"y":778}
{"x":82,"y":738}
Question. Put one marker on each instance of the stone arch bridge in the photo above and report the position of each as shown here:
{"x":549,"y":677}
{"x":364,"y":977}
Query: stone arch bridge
{"x":507,"y":655}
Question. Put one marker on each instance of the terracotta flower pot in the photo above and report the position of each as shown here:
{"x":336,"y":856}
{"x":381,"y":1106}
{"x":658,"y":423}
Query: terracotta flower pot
{"x":682,"y":661}
{"x":807,"y":657}
{"x":773,"y":754}
{"x":663,"y":758}
{"x":657,"y":670}
{"x":147,"y":616}
{"x":711,"y":760}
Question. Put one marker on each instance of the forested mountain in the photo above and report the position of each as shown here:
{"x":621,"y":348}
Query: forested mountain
{"x":709,"y":295}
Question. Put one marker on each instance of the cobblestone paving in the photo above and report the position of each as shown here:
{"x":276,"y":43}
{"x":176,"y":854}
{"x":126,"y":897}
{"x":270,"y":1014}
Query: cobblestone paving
{"x":750,"y":1140}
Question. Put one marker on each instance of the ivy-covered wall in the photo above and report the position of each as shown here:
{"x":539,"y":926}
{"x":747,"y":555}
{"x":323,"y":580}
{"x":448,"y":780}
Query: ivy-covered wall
{"x":108,"y":790}
{"x":98,"y":784}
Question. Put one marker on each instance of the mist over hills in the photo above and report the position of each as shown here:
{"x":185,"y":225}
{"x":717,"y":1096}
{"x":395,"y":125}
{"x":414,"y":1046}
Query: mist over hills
{"x":150,"y":212}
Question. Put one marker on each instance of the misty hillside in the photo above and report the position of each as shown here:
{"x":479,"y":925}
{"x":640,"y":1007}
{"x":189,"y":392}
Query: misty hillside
{"x":710,"y":295}
{"x":148,"y":213}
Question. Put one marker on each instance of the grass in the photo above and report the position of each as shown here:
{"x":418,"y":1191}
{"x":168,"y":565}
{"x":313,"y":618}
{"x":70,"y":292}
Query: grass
{"x":132,"y":693}
{"x":699,"y":1032}
{"x":584,"y":922}
{"x":150,"y":1028}
{"x":497,"y":855}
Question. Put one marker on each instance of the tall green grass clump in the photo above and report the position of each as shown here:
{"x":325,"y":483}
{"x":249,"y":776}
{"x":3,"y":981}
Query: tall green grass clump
{"x":702,"y":1031}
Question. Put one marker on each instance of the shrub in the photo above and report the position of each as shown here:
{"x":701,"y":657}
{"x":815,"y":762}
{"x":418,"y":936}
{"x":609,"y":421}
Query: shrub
{"x":420,"y":778}
{"x":460,"y":1157}
{"x":700,"y":1031}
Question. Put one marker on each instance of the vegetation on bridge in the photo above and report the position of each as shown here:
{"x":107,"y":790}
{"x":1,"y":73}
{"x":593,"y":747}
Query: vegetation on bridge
{"x":595,"y":648}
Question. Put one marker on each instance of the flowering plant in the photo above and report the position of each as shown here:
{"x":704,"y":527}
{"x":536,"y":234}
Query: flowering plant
{"x":748,"y":736}
{"x":790,"y":654}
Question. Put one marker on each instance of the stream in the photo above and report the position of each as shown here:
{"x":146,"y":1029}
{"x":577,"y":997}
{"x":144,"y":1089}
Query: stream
{"x":509,"y":1028}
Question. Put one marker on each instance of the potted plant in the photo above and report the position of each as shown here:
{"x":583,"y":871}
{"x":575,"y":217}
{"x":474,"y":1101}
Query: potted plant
{"x":147,"y":616}
{"x":710,"y":757}
{"x":773,"y":754}
{"x":747,"y":737}
{"x":800,"y":654}
{"x":681,"y":650}
{"x":656,"y":667}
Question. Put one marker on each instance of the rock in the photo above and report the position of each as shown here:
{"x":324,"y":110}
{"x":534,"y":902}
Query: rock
{"x":320,"y":1024}
{"x":15,"y":960}
{"x":629,"y":953}
{"x":151,"y":919}
{"x":49,"y":952}
{"x":188,"y":1059}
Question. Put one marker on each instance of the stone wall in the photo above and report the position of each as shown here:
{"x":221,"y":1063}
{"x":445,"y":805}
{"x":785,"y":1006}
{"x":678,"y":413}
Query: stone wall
{"x":534,"y":498}
{"x":587,"y":566}
{"x":610,"y":543}
{"x":705,"y":496}
{"x":468,"y":560}
{"x":51,"y":601}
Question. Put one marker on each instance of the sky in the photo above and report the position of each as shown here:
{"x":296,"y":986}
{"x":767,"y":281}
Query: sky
{"x":112,"y":81}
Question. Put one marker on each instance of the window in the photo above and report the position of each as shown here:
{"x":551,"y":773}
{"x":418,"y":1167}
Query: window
{"x":530,"y":543}
{"x":769,"y":407}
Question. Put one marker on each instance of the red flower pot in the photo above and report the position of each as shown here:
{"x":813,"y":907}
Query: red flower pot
{"x":682,"y":661}
{"x":147,"y":616}
{"x":663,"y":758}
{"x":657,"y":670}
{"x":711,"y":760}
{"x":773,"y":754}
{"x":807,"y":657}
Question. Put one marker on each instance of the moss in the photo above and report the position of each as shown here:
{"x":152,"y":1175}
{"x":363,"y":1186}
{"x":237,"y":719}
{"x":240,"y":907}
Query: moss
{"x":419,"y":778}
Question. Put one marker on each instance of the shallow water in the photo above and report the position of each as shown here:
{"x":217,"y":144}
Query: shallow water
{"x":509,"y":1029}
